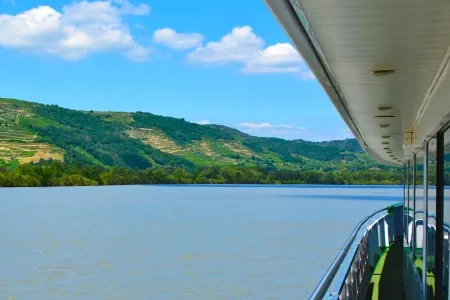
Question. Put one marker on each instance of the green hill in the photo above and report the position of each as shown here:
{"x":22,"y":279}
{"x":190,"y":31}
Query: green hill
{"x":351,"y":145}
{"x":30,"y":132}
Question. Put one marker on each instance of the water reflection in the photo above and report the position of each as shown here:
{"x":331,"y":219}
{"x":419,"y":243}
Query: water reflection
{"x":446,"y":279}
{"x":431,"y":217}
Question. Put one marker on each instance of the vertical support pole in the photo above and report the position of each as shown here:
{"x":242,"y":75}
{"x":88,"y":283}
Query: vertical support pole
{"x":439,"y":215}
{"x":407,"y":208}
{"x":413,"y":244}
{"x":425,"y":220}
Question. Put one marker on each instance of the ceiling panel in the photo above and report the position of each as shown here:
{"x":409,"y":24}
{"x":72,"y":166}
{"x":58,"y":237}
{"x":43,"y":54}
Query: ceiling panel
{"x":357,"y":37}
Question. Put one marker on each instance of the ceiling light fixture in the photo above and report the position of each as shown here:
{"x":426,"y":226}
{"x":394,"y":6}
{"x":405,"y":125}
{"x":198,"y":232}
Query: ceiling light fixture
{"x":385,"y":125}
{"x":384,"y":117}
{"x":385,"y":107}
{"x":386,"y":137}
{"x":382,"y":72}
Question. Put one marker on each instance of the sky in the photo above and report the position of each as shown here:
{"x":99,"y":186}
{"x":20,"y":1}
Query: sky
{"x":220,"y":62}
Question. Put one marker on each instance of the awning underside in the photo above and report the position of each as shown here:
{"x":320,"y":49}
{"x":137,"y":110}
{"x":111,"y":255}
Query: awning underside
{"x":390,"y":114}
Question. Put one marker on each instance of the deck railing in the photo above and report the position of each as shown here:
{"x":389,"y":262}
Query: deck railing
{"x":348,"y":275}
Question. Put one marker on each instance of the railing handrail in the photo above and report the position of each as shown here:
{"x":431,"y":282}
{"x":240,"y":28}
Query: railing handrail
{"x":446,"y":224}
{"x":327,"y":279}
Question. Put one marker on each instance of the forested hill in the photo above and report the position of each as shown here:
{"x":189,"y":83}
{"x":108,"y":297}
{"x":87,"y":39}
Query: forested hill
{"x":30,"y":132}
{"x":343,"y":145}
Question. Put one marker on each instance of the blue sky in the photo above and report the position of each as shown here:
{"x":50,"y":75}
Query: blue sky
{"x":225,"y":62}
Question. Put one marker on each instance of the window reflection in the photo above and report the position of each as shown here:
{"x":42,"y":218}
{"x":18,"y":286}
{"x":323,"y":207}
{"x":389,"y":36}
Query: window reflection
{"x":418,"y":216}
{"x":405,"y":205}
{"x":411,"y":204}
{"x":446,"y":283}
{"x":408,"y":205}
{"x":431,"y":234}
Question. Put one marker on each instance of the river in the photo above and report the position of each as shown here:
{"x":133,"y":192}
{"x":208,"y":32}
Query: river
{"x":176,"y":242}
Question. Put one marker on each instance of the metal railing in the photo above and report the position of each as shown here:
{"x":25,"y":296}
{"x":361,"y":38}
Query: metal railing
{"x":354,"y":260}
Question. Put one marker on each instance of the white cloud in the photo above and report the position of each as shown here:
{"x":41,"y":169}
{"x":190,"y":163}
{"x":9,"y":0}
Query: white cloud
{"x":307,"y":75}
{"x":285,"y":131}
{"x":175,"y":40}
{"x":137,"y":53}
{"x":286,"y":126}
{"x":203,"y":122}
{"x":241,"y":45}
{"x":255,"y":125}
{"x":140,"y":26}
{"x":291,"y":132}
{"x":126,"y":7}
{"x":238,"y":46}
{"x":274,"y":59}
{"x":81,"y":28}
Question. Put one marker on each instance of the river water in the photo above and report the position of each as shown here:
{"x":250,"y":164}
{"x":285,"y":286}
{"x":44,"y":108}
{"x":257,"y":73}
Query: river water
{"x":176,"y":242}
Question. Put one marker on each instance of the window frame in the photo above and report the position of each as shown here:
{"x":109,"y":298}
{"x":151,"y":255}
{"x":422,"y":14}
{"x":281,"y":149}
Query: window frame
{"x":409,"y":171}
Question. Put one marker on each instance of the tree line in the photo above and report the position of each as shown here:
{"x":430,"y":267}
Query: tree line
{"x":55,"y":173}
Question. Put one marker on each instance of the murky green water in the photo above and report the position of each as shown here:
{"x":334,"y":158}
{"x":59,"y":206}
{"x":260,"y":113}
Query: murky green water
{"x":175,"y":242}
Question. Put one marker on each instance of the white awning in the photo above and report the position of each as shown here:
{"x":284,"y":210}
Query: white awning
{"x":383,"y":63}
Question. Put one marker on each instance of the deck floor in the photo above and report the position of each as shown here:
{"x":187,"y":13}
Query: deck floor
{"x":386,"y":281}
{"x":431,"y":284}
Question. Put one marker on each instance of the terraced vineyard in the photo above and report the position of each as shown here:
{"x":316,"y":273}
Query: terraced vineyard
{"x":200,"y":152}
{"x":203,"y":152}
{"x":18,"y":142}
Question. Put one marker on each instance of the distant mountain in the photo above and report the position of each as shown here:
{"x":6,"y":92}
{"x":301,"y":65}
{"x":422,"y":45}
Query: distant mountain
{"x":30,"y":132}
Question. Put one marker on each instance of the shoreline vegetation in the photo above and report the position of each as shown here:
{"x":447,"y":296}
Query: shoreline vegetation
{"x":55,"y":173}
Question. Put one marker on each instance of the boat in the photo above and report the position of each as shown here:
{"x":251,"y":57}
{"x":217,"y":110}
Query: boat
{"x":384,"y":65}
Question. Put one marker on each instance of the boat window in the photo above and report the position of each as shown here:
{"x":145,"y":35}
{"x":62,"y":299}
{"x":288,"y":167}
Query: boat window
{"x":418,"y":214}
{"x":405,"y":203}
{"x":411,"y":203}
{"x":446,"y":209}
{"x":431,"y":214}
{"x":408,"y":206}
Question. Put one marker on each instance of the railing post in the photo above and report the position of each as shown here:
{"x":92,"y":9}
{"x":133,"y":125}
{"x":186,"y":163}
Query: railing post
{"x":439,"y":215}
{"x":413,"y":235}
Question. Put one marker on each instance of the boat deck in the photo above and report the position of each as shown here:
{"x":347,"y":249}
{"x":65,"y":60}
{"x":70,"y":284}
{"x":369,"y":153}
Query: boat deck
{"x":430,"y":278}
{"x":386,"y":281}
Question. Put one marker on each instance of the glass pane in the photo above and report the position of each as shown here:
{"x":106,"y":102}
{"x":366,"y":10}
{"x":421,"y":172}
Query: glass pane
{"x":405,"y":205}
{"x":431,"y":233}
{"x":408,"y":207}
{"x":411,"y":204}
{"x":418,"y":215}
{"x":446,"y":209}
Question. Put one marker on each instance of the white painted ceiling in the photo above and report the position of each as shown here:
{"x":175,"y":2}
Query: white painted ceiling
{"x":357,"y":37}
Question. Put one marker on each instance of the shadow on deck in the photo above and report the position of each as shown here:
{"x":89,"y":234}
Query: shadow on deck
{"x":430,"y":278}
{"x":387,"y":279}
